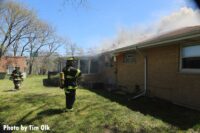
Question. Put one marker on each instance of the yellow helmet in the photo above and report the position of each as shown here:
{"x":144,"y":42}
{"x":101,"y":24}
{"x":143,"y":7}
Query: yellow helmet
{"x":70,"y":58}
{"x":17,"y":67}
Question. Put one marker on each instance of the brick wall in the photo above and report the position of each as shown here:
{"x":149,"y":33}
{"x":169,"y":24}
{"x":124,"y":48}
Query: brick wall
{"x":165,"y":80}
{"x":14,"y":61}
{"x":108,"y":75}
{"x":130,"y":74}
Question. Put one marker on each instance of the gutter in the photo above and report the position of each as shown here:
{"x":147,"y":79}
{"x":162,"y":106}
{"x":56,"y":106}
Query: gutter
{"x":167,"y":41}
{"x":124,"y":49}
{"x":161,"y":41}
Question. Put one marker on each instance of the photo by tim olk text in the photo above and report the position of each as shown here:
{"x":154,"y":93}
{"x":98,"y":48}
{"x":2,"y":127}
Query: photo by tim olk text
{"x":26,"y":128}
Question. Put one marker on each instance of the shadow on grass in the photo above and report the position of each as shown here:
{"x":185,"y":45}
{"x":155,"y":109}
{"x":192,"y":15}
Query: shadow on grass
{"x":33,"y":99}
{"x":5,"y":108}
{"x":39,"y":116}
{"x":45,"y":113}
{"x":178,"y":116}
{"x":11,"y":90}
{"x":23,"y":119}
{"x":50,"y":112}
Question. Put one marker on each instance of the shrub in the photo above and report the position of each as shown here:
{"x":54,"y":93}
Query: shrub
{"x":2,"y":75}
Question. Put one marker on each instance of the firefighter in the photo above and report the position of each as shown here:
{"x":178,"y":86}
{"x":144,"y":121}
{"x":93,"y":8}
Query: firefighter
{"x":69,"y":78}
{"x":17,"y":78}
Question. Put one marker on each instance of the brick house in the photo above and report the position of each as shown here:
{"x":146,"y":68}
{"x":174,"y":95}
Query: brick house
{"x":8,"y":63}
{"x":167,"y":67}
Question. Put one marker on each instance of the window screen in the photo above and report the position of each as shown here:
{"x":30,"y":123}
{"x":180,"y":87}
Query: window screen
{"x":10,"y":69}
{"x":84,"y":65}
{"x":191,"y":57}
{"x":94,"y":66}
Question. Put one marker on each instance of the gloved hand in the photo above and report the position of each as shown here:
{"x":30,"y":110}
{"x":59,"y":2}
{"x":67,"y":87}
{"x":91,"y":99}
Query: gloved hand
{"x":61,"y":86}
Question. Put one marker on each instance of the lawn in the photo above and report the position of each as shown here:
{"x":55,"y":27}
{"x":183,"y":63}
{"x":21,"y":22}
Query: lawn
{"x":96,"y":111}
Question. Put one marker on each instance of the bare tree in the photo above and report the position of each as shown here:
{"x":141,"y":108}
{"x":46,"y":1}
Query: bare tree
{"x":14,"y":22}
{"x":72,"y":49}
{"x":22,"y":33}
{"x":47,"y":57}
{"x":37,"y":41}
{"x":75,"y":3}
{"x":1,"y":7}
{"x":43,"y":37}
{"x":31,"y":37}
{"x":45,"y":63}
{"x":15,"y":47}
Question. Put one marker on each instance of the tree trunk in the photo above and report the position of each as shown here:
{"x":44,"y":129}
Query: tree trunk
{"x":0,"y":53}
{"x":30,"y":68}
{"x":14,"y":53}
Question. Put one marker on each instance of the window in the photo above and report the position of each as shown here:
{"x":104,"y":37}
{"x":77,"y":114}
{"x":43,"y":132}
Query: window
{"x":129,"y":58}
{"x":109,"y":61}
{"x":84,"y":66}
{"x":94,"y":66}
{"x":10,"y":69}
{"x":190,"y":58}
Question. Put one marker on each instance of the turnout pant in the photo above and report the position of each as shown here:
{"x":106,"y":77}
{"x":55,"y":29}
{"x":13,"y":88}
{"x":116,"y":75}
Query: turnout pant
{"x":17,"y":84}
{"x":70,"y":96}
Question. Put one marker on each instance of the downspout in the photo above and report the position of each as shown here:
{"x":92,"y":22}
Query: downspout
{"x":89,"y":66}
{"x":143,"y":93}
{"x":116,"y":70}
{"x":145,"y":74}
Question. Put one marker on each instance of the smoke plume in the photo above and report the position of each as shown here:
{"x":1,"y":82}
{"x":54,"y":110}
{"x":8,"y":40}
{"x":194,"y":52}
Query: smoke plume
{"x":184,"y":17}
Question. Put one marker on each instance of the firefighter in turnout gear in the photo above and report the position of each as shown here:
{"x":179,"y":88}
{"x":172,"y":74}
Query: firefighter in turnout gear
{"x":69,"y":78}
{"x":17,"y":78}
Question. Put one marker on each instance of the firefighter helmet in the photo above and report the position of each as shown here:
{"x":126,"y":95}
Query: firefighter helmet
{"x":70,"y":58}
{"x":17,"y":67}
{"x":70,"y":61}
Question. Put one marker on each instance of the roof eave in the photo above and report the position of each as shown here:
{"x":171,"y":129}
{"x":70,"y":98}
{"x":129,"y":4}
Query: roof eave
{"x":159,"y":42}
{"x":165,"y":41}
{"x":124,"y":49}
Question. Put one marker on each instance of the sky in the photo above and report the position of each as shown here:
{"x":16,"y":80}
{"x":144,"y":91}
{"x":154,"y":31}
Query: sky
{"x":95,"y":21}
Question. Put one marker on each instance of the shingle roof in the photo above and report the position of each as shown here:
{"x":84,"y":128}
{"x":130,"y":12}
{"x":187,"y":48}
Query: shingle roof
{"x":178,"y":32}
{"x":164,"y":38}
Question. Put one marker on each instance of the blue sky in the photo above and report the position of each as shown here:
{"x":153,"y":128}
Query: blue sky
{"x":100,"y":19}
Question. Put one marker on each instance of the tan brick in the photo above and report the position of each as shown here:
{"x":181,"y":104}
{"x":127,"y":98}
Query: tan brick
{"x":165,"y":80}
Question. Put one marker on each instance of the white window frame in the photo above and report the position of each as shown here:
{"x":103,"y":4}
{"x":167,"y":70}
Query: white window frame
{"x":187,"y":70}
{"x":9,"y":70}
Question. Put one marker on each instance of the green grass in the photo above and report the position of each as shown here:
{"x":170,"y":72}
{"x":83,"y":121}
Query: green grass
{"x":96,"y":111}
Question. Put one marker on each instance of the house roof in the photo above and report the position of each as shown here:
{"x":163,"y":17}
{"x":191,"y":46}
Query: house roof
{"x":168,"y":37}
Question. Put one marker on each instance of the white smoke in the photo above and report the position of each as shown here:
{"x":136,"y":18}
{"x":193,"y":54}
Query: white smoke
{"x":184,"y":17}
